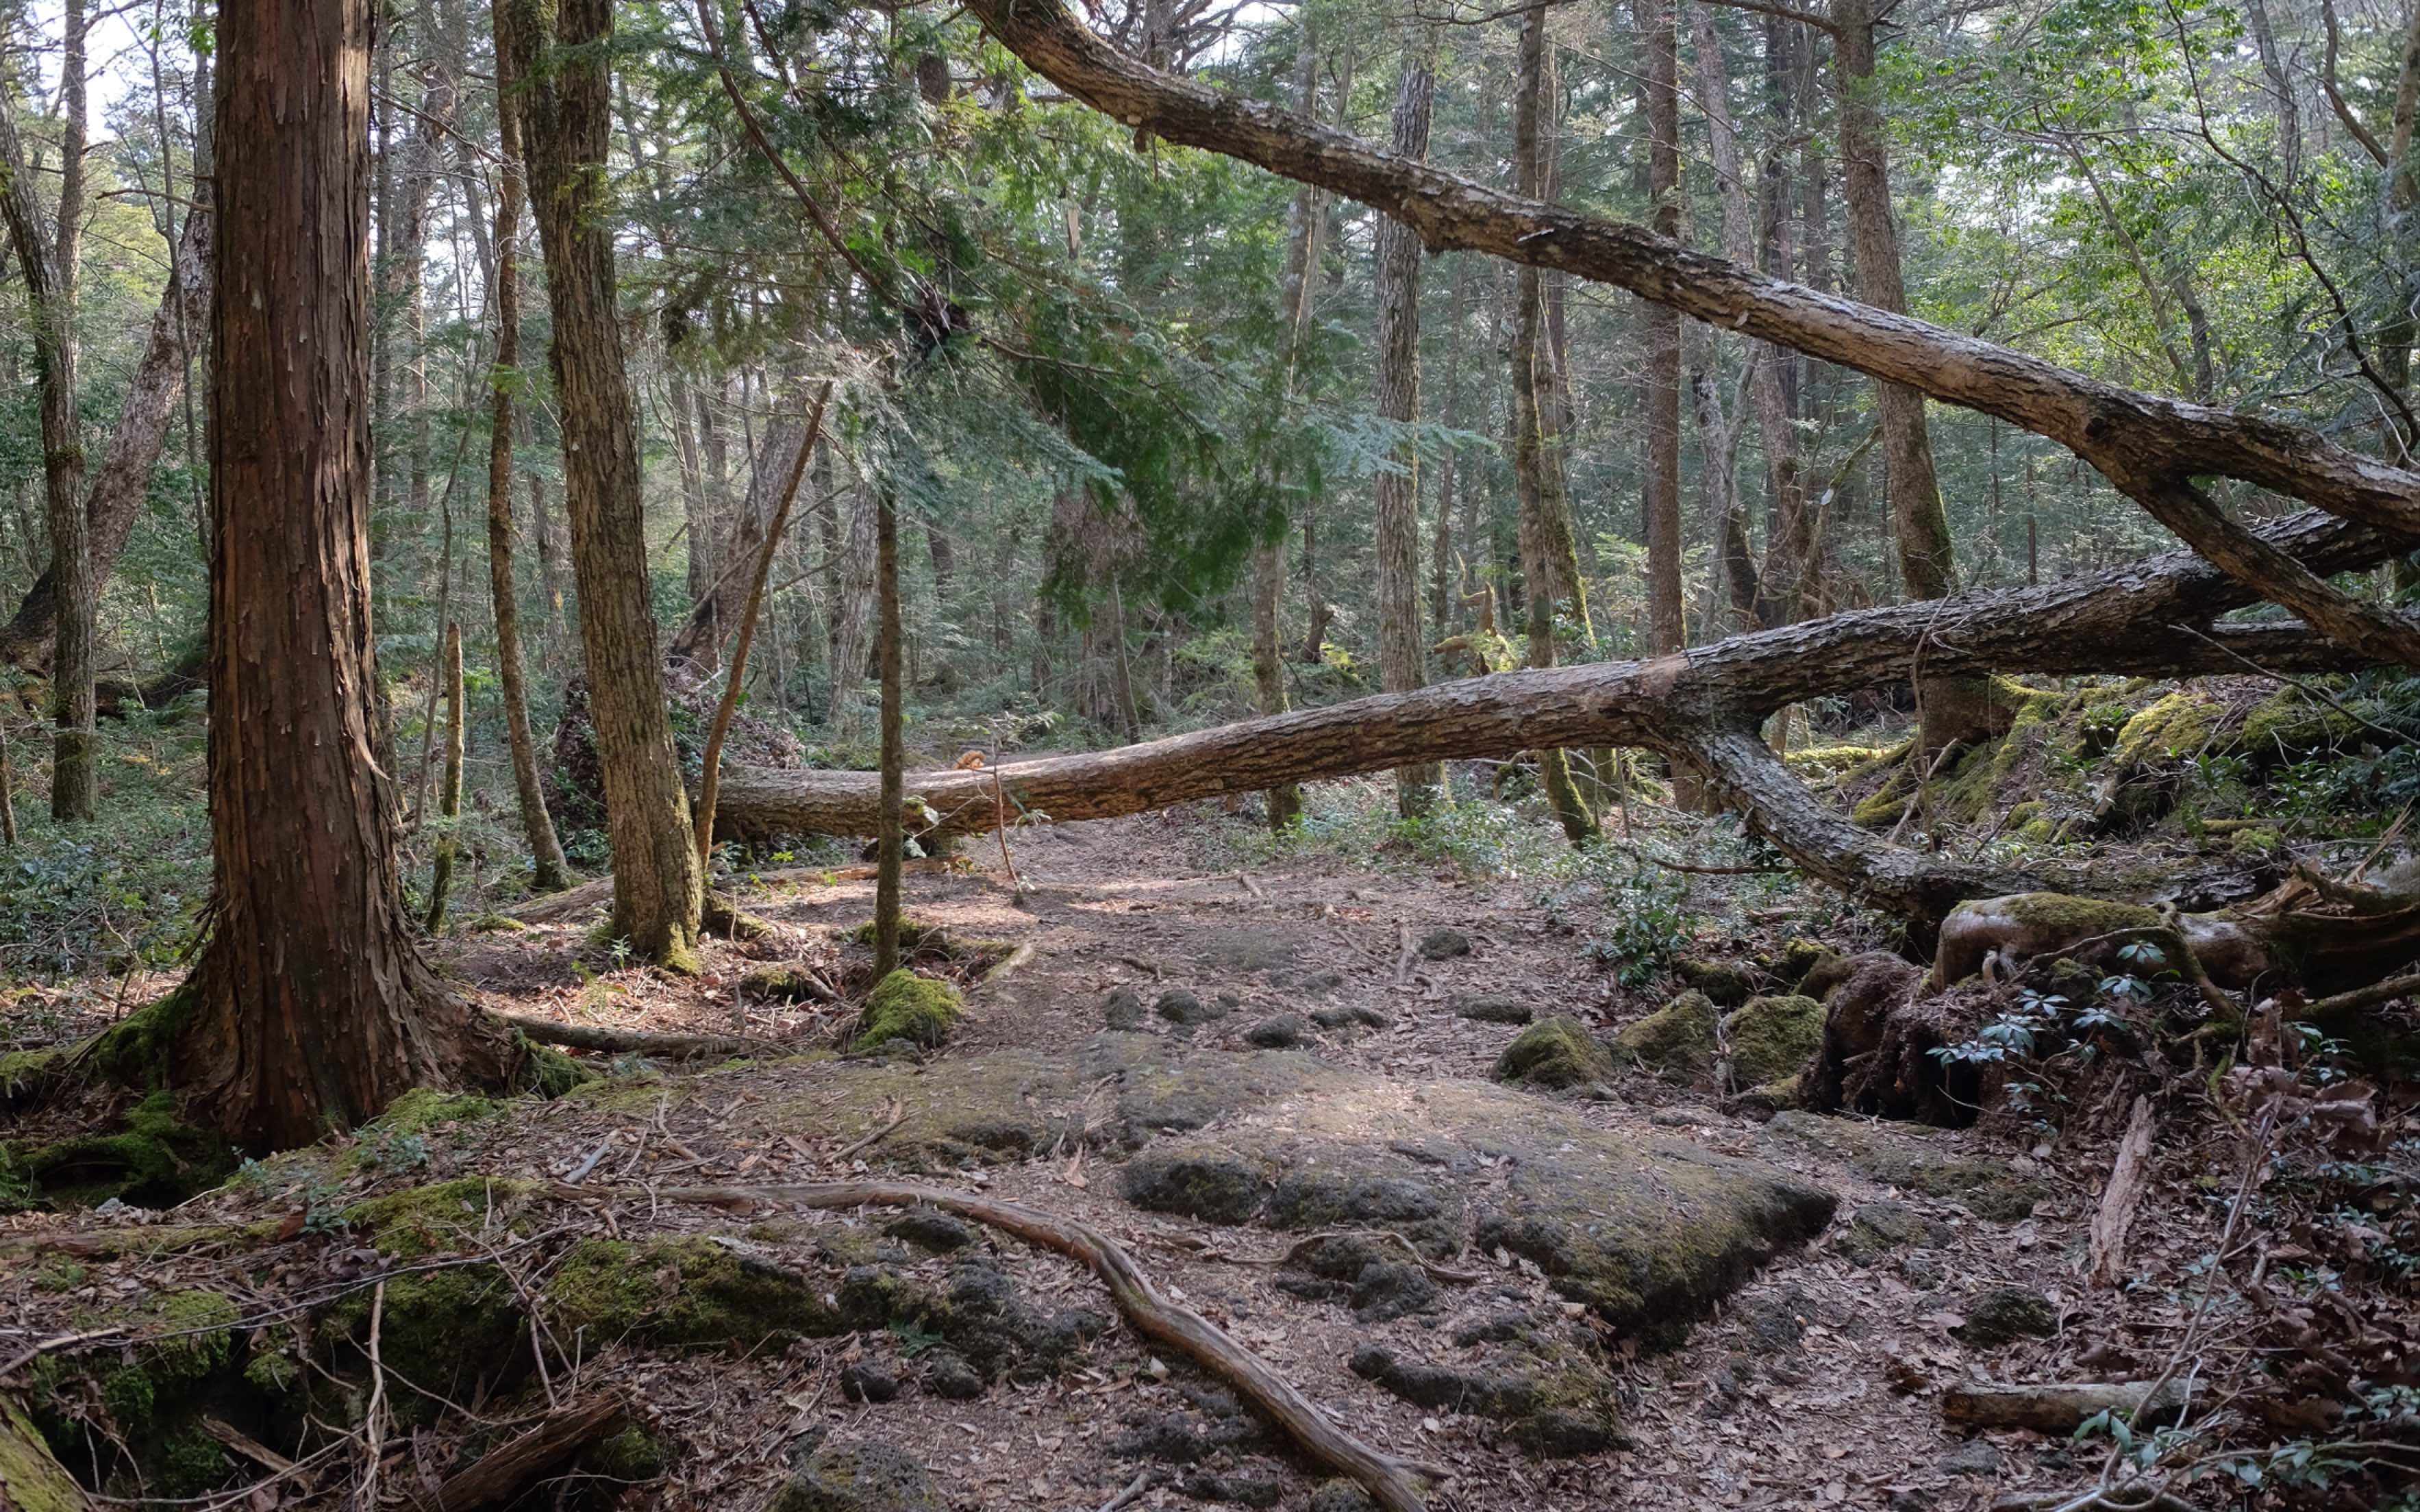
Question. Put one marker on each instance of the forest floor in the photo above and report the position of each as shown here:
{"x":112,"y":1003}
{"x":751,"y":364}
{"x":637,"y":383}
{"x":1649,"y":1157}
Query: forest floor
{"x":1809,"y":1376}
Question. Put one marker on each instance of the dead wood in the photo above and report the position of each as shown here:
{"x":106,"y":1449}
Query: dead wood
{"x":1697,"y":708}
{"x":2362,"y":997}
{"x":1394,"y":1484}
{"x":512,"y":1466}
{"x":2129,"y":1178}
{"x":29,"y":1476}
{"x":641,"y":1041}
{"x":2055,"y":1407}
{"x":2152,"y":448}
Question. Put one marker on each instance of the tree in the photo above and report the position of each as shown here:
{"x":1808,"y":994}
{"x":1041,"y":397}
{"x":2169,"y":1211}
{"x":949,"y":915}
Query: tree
{"x":1667,"y":631}
{"x":548,"y":871}
{"x":49,"y":258}
{"x":310,"y":1005}
{"x":1401,"y":645}
{"x":1549,"y":560}
{"x":559,"y":55}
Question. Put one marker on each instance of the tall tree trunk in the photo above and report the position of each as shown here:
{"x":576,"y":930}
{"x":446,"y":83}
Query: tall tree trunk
{"x":1667,"y":630}
{"x":1442,"y":581}
{"x":449,"y":784}
{"x":310,"y":1005}
{"x":548,"y":871}
{"x":889,"y":837}
{"x":1537,"y":467}
{"x":1401,"y":645}
{"x":1768,"y":393}
{"x":49,"y":258}
{"x":559,"y":52}
{"x":1952,"y":709}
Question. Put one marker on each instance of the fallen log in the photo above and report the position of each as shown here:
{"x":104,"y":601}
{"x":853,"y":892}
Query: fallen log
{"x":29,"y":1476}
{"x":1697,"y":708}
{"x":1395,"y":1485}
{"x":2152,"y":449}
{"x":2056,"y":1406}
{"x":641,"y":1041}
{"x":516,"y":1464}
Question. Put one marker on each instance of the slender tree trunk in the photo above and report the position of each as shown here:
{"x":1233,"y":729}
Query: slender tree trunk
{"x":559,"y":53}
{"x":1953,"y":709}
{"x":1442,"y":583}
{"x":548,"y":871}
{"x":1667,"y":631}
{"x":1536,"y":469}
{"x":449,"y":785}
{"x":310,"y":1005}
{"x":889,"y":837}
{"x":1401,"y":646}
{"x":47,"y":257}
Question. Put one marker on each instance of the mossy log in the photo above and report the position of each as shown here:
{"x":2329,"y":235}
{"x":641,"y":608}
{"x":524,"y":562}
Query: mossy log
{"x":30,"y":1479}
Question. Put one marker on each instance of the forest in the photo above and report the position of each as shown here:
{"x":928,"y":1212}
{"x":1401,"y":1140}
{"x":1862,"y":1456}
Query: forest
{"x":1310,"y":754}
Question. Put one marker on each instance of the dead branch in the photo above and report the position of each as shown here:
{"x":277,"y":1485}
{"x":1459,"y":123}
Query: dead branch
{"x":2054,"y":1407}
{"x":512,"y":1466}
{"x":1394,"y":1484}
{"x":2129,"y":1178}
{"x":640,"y":1041}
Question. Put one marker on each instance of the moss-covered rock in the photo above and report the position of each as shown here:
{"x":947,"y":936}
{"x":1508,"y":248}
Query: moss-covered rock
{"x":1727,"y":983}
{"x":1554,"y":1399}
{"x":2291,"y":726}
{"x":684,"y":1291}
{"x":1678,"y":1039}
{"x":1912,"y":1160}
{"x":2176,"y":726}
{"x":780,"y":983}
{"x":859,"y":1476}
{"x":1771,"y":1037}
{"x":2003,"y":1314}
{"x":1196,"y":1179}
{"x":909,"y":1008}
{"x":1558,"y":1053}
{"x":1494,"y":1007}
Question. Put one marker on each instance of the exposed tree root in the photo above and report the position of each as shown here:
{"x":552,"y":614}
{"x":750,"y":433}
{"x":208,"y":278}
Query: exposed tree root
{"x":641,"y":1041}
{"x":511,"y":1467}
{"x":1394,"y":1484}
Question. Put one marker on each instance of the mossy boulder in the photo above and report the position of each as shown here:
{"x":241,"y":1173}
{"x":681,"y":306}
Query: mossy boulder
{"x":1726,"y":983}
{"x":2175,"y":726}
{"x":780,"y":983}
{"x":914,"y":935}
{"x":2004,"y":1314}
{"x":910,"y":1008}
{"x":444,"y":1327}
{"x":859,"y":1476}
{"x":684,"y":1291}
{"x":1678,"y":1039}
{"x":1196,"y":1179}
{"x":2291,"y":726}
{"x":1554,"y":1053}
{"x":1771,"y":1037}
{"x":1881,"y":1227}
{"x":1554,"y":1400}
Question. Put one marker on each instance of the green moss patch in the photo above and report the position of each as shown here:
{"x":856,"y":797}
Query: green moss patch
{"x":680,"y":1291}
{"x":907,"y":1007}
{"x":1677,"y":1038}
{"x":149,"y":1388}
{"x":1558,"y":1053}
{"x":155,"y":1160}
{"x":1772,"y":1038}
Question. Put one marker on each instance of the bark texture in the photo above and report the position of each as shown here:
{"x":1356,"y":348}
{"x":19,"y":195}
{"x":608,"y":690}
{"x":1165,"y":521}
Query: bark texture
{"x":1700,"y":708}
{"x":548,"y":871}
{"x":2142,"y":442}
{"x":559,"y":52}
{"x":311,"y":1005}
{"x":889,"y":830}
{"x":1666,"y":629}
{"x":1401,"y":646}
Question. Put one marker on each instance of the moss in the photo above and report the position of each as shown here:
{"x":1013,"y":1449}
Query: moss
{"x":181,"y":1339}
{"x":683,"y":1291}
{"x":629,"y":1456}
{"x":905,"y":1005}
{"x":550,"y":1072}
{"x":2290,"y":725}
{"x":1554,"y":1052}
{"x":2254,"y":841}
{"x":1800,"y":956}
{"x":2063,"y":918}
{"x":1677,"y":1038}
{"x":1772,"y":1038}
{"x":155,"y":1160}
{"x":2176,"y":726}
{"x":422,"y":1221}
{"x":134,"y":1051}
{"x":1728,"y":983}
{"x":272,"y":1373}
{"x":189,"y":1465}
{"x":1902,"y":1157}
{"x":495,"y":924}
{"x":2038,"y":831}
{"x":788,"y":984}
{"x":2025,"y":813}
{"x":59,"y":1274}
{"x":423,"y":1109}
{"x":30,"y":1479}
{"x":914,"y":935}
{"x":25,"y":1073}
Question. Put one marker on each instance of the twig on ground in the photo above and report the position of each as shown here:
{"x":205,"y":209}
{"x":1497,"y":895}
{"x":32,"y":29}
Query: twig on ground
{"x":374,"y":1421}
{"x":1132,"y":1494}
{"x":1395,"y":1485}
{"x":898,"y":1116}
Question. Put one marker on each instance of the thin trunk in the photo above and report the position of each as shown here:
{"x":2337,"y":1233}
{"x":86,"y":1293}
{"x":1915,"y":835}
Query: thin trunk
{"x":311,"y":1005}
{"x":890,"y":838}
{"x":449,"y":787}
{"x":561,"y":61}
{"x":548,"y":871}
{"x":692,"y":487}
{"x":1957,"y":709}
{"x":1442,"y":574}
{"x":1536,"y":470}
{"x":1667,"y":633}
{"x":1402,"y":660}
{"x":2281,"y":88}
{"x":47,"y":257}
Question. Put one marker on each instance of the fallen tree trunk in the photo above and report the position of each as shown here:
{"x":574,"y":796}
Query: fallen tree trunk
{"x":2151,"y":448}
{"x":1699,"y":708}
{"x":2056,"y":1406}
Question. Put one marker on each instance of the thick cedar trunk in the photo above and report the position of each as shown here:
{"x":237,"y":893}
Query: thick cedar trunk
{"x":115,"y":496}
{"x":2150,"y":446}
{"x":548,"y":871}
{"x":1952,"y":709}
{"x":310,"y":1005}
{"x":1699,"y":708}
{"x":48,"y":262}
{"x":1666,"y":630}
{"x":889,"y":830}
{"x":1548,"y":566}
{"x":1401,"y":660}
{"x":559,"y":53}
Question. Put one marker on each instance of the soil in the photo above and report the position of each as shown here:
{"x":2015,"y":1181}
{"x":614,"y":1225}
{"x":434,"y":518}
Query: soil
{"x":1797,"y":1366}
